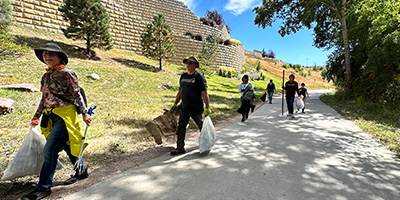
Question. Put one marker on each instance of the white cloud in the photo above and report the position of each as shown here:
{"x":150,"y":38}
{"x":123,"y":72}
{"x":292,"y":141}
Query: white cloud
{"x":189,"y":3}
{"x":236,"y":7}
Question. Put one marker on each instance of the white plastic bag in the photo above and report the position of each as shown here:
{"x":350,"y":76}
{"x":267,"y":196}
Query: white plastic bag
{"x":299,"y":103}
{"x":207,"y":136}
{"x":29,"y":158}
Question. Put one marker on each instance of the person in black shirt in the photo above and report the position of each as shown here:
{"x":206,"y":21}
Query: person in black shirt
{"x":303,"y":92}
{"x":193,"y":92}
{"x":291,"y":87}
{"x":270,"y":89}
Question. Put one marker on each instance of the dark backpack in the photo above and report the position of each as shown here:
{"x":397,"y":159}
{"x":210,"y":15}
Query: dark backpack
{"x":248,"y":94}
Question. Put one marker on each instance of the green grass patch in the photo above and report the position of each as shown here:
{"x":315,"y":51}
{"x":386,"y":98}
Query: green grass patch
{"x":378,"y":120}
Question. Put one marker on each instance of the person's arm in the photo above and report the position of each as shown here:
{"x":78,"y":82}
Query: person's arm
{"x":307,"y":94}
{"x":178,"y":97}
{"x":206,"y":98}
{"x":241,"y":87}
{"x":297,"y":89}
{"x":73,"y":87}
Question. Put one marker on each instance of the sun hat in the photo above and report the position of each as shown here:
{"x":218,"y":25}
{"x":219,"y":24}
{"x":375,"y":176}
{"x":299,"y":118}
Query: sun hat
{"x":53,"y":48}
{"x":191,"y":59}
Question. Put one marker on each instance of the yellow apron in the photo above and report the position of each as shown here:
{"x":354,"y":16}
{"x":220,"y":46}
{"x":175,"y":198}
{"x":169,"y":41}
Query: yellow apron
{"x":70,"y":117}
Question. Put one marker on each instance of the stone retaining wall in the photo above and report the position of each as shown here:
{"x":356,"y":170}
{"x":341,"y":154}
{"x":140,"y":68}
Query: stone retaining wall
{"x":128,"y":22}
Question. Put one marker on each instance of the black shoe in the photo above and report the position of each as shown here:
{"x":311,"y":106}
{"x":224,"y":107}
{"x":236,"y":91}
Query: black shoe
{"x":37,"y":194}
{"x":178,"y":151}
{"x":252,"y":108}
{"x":270,"y":102}
{"x":76,"y":177}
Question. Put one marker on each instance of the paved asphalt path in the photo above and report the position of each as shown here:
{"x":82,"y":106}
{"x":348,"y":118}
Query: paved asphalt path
{"x":317,"y":155}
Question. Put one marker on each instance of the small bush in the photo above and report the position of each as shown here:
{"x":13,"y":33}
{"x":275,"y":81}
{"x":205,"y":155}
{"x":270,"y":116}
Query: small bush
{"x":227,"y":42}
{"x":190,"y":34}
{"x":9,"y":47}
{"x":198,"y":37}
{"x":236,"y":42}
{"x":208,"y":22}
{"x":286,"y":66}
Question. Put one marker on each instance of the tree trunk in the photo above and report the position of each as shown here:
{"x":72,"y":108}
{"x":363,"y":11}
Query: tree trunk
{"x":88,"y":45}
{"x":348,"y":78}
{"x":160,"y":63}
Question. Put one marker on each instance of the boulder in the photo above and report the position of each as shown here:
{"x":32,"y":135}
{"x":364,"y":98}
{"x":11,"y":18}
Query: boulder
{"x":26,"y":87}
{"x":94,"y":76}
{"x":6,"y":105}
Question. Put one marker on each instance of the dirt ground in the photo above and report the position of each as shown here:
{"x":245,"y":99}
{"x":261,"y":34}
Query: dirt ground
{"x":10,"y":190}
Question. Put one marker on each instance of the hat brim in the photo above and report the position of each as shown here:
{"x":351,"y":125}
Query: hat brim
{"x":185,"y":60}
{"x":62,"y":55}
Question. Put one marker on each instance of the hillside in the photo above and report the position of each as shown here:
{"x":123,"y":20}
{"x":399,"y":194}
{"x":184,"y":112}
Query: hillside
{"x":274,"y":68}
{"x":127,"y":96}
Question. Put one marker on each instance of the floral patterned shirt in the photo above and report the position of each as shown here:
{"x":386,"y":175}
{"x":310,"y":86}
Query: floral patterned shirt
{"x":62,"y":82}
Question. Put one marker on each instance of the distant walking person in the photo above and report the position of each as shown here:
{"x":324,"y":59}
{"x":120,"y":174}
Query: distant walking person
{"x":270,"y":90}
{"x":193,"y":92}
{"x":303,"y":92}
{"x":291,"y":87}
{"x":246,"y":90}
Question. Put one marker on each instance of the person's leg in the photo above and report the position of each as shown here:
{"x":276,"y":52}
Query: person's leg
{"x":181,"y":132}
{"x":56,"y":140}
{"x":304,"y":101}
{"x":247,"y":109}
{"x":289,"y":101}
{"x":270,"y":94}
{"x":198,"y":119}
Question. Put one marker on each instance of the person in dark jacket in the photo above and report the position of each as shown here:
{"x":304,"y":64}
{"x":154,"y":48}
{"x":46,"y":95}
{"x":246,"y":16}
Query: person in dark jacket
{"x":291,"y":87}
{"x":270,"y":90}
{"x":60,"y":122}
{"x":193,"y":92}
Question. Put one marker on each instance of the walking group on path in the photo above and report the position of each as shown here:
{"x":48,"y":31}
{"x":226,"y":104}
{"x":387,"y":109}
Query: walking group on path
{"x":62,"y":100}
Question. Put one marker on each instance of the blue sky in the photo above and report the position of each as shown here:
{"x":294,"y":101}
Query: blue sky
{"x":296,"y":48}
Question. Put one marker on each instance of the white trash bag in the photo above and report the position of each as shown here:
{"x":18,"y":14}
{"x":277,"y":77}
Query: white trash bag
{"x":29,"y":157}
{"x":299,"y":103}
{"x":207,"y":136}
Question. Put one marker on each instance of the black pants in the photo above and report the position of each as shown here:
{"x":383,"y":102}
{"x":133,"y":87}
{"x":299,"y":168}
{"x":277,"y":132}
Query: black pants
{"x":183,"y":122}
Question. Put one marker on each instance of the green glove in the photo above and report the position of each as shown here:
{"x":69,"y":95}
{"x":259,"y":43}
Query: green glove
{"x":173,"y":106}
{"x":207,"y":112}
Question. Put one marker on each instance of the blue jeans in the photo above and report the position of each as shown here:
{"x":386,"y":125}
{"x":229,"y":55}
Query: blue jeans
{"x":270,"y":94}
{"x":290,"y":101}
{"x":56,"y":141}
{"x":183,"y":122}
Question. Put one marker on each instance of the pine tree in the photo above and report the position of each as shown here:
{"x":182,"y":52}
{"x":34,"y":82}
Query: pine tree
{"x":5,"y":15}
{"x":157,"y":40}
{"x":88,"y":20}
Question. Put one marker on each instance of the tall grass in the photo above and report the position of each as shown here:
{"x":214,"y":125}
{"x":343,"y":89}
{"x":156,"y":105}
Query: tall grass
{"x":380,"y":121}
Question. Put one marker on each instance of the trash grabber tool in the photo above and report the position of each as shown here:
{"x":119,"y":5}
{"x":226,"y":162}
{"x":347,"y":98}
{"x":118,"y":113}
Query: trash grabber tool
{"x":78,"y":163}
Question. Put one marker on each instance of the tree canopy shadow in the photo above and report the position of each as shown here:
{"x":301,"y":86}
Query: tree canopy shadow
{"x":136,"y":64}
{"x":72,"y":51}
